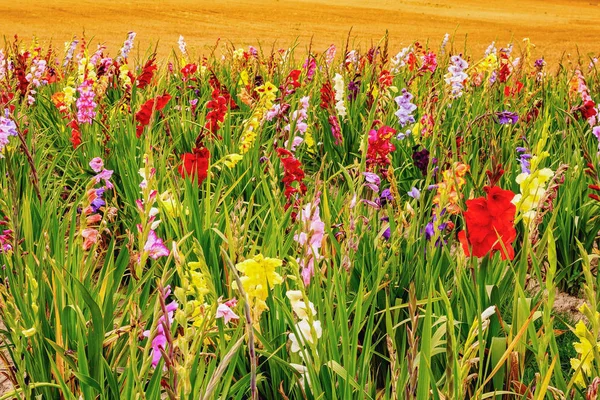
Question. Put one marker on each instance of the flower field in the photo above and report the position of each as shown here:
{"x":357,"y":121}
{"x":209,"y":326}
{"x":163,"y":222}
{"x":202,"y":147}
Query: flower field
{"x":369,"y":223}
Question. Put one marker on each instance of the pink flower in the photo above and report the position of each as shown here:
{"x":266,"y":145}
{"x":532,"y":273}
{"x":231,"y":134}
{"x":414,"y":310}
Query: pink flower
{"x":105,"y":175}
{"x":155,"y":246}
{"x":90,"y":237}
{"x":96,"y":164}
{"x":160,"y":340}
{"x":224,"y":311}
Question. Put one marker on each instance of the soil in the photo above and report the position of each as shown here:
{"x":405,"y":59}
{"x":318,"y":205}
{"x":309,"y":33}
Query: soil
{"x":556,"y":27}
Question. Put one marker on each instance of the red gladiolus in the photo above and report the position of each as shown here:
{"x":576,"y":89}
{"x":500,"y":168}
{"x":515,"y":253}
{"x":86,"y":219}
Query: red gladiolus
{"x":380,"y":146}
{"x":195,"y":165}
{"x":147,"y":73}
{"x":75,"y":133}
{"x":588,"y":109}
{"x":143,"y":116}
{"x":188,"y":70}
{"x":490,"y":224}
{"x":327,"y":96}
{"x":292,"y":173}
{"x":218,"y":109}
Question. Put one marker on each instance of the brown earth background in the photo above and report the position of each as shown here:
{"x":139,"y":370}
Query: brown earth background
{"x":556,"y":27}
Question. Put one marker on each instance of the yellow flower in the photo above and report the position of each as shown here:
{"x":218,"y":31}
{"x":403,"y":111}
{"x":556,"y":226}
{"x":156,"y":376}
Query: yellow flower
{"x":259,"y":275}
{"x":244,"y":78}
{"x":585,"y":353}
{"x":232,"y":159}
{"x":533,"y":187}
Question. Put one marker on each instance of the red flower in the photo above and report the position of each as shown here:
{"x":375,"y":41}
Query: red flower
{"x":143,"y":116}
{"x":490,"y":224}
{"x":195,"y":165}
{"x":188,"y":70}
{"x":218,"y":109}
{"x":293,"y":173}
{"x":380,"y":146}
{"x":327,"y":96}
{"x":588,"y":109}
{"x":75,"y":133}
{"x":147,"y":73}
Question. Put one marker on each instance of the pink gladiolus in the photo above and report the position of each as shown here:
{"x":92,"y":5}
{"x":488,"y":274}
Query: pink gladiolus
{"x":224,"y":311}
{"x":155,"y":246}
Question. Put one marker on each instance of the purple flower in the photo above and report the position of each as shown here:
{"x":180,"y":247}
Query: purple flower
{"x":524,"y":160}
{"x":96,"y":164}
{"x":105,"y":175}
{"x":155,"y":246}
{"x":386,"y":197}
{"x":539,"y":63}
{"x":387,"y":233}
{"x":414,"y":193}
{"x":7,"y":128}
{"x":507,"y":117}
{"x":98,"y":201}
{"x":372,"y":181}
{"x":353,"y":90}
{"x":160,"y":340}
{"x":405,"y":108}
{"x":127,"y":45}
{"x":421,"y":159}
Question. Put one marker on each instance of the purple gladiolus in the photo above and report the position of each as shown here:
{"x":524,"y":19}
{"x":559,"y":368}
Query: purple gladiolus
{"x":507,"y":117}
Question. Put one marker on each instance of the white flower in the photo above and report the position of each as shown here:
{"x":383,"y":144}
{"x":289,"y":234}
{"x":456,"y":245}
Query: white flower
{"x":305,"y":330}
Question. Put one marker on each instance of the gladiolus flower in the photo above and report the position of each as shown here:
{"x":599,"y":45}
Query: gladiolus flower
{"x":490,"y":224}
{"x":155,"y":246}
{"x":195,"y":165}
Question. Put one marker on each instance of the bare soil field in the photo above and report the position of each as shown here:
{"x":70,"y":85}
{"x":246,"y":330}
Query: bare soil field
{"x":556,"y":27}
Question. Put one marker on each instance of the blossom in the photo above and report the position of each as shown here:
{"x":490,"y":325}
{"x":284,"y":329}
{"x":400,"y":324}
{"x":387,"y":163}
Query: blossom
{"x":524,"y":160}
{"x":456,"y":76}
{"x":195,"y":165}
{"x":127,"y":45}
{"x":292,"y":173}
{"x":339,"y":87}
{"x":147,"y":74}
{"x":379,"y":146}
{"x":155,"y":247}
{"x":164,"y":321}
{"x":260,"y":275}
{"x":414,"y":193}
{"x":105,"y":176}
{"x":145,"y":113}
{"x":85,"y":103}
{"x":507,"y":117}
{"x":490,"y":224}
{"x":385,"y":197}
{"x":421,"y":160}
{"x":299,"y":305}
{"x":372,"y":181}
{"x":90,"y":237}
{"x":224,"y":311}
{"x":96,"y":164}
{"x":305,"y":330}
{"x":216,"y":115}
{"x":405,"y":108}
{"x":7,"y":128}
{"x":448,"y":190}
{"x":311,"y":239}
{"x":533,"y":187}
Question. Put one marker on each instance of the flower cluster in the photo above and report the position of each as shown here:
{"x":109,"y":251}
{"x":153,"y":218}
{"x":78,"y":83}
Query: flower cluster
{"x":152,"y":246}
{"x":586,"y":347}
{"x":309,"y":330}
{"x":490,"y":224}
{"x":216,"y":115}
{"x":456,"y":76}
{"x":195,"y":164}
{"x":260,"y":275}
{"x":163,"y":327}
{"x":293,"y":173}
{"x":379,"y":146}
{"x":533,"y":186}
{"x":448,"y":190}
{"x":86,"y":106}
{"x":405,"y":111}
{"x":311,"y":239}
{"x":588,"y":108}
{"x":266,"y":93}
{"x":339,"y":87}
{"x":298,"y":118}
{"x":127,"y":45}
{"x":90,"y":225}
{"x":144,"y":115}
{"x":7,"y":128}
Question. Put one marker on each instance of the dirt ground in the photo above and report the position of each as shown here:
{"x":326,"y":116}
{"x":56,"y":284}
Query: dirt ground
{"x":554,"y":26}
